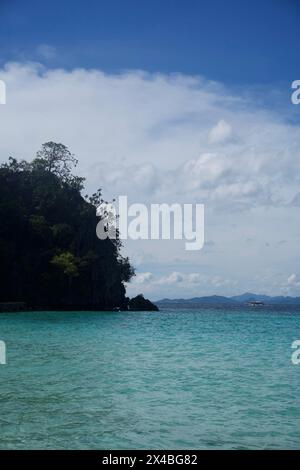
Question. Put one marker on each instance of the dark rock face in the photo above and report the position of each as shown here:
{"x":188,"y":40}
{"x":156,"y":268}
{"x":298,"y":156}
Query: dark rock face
{"x":50,"y":254}
{"x":141,"y":304}
{"x":13,"y":307}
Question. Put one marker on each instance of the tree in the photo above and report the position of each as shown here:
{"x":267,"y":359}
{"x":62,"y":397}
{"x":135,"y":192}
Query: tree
{"x":67,"y":264}
{"x":57,"y":159}
{"x":50,"y":254}
{"x":126,"y":269}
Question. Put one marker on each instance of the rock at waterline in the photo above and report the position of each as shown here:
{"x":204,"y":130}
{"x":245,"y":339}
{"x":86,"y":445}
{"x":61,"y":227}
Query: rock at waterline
{"x":140,"y":303}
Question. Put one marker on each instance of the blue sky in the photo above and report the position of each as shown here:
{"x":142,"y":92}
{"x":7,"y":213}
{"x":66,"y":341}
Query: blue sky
{"x":236,"y":42}
{"x":176,"y":102}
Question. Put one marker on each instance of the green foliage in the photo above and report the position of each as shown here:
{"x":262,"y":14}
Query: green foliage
{"x":39,"y":225}
{"x":58,"y":160}
{"x":96,"y":198}
{"x":127,"y":271}
{"x":66,"y":262}
{"x":49,"y":251}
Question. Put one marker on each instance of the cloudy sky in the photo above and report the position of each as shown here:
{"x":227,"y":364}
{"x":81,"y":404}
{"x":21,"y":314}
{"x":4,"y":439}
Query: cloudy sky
{"x":176,"y":105}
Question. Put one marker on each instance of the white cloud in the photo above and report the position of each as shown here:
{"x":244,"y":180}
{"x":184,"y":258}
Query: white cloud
{"x":195,"y":278}
{"x":296,"y":200}
{"x":173,"y":278}
{"x":220,"y":133}
{"x":151,"y":131}
{"x":170,"y":138}
{"x":45,"y":51}
{"x":143,"y":278}
{"x":293,"y":281}
{"x":187,"y":280}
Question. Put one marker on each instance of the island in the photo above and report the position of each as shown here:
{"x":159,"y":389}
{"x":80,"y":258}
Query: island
{"x":51,"y":258}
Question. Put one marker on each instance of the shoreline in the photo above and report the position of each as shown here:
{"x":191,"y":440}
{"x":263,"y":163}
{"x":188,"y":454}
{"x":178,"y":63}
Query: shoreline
{"x":19,"y":307}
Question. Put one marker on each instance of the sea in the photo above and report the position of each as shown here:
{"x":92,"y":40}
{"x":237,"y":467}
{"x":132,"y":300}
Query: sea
{"x":206,"y":378}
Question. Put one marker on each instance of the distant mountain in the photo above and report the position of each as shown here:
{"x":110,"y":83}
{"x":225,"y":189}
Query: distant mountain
{"x":277,"y":300}
{"x":195,"y":301}
{"x":248,"y":296}
{"x":235,"y":300}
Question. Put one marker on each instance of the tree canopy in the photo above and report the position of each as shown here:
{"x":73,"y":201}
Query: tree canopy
{"x":50,"y":254}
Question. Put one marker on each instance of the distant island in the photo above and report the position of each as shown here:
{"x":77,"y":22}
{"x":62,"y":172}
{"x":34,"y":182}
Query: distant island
{"x":247,"y":298}
{"x":50,"y":255}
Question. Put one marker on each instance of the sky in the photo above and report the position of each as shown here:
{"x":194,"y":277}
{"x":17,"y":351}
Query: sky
{"x":170,"y":102}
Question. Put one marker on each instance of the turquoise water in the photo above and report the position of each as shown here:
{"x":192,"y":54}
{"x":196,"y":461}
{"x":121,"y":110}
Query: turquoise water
{"x":206,"y":379}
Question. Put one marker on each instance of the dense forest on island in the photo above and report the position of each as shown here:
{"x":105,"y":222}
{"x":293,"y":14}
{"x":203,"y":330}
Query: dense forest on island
{"x":50,"y":254}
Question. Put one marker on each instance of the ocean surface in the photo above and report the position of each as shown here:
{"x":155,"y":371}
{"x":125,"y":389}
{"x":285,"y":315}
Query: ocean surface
{"x":211,"y":378}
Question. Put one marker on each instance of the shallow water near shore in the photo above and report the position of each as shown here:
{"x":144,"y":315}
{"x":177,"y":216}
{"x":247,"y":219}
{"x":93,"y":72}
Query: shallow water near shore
{"x":209,"y":378}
